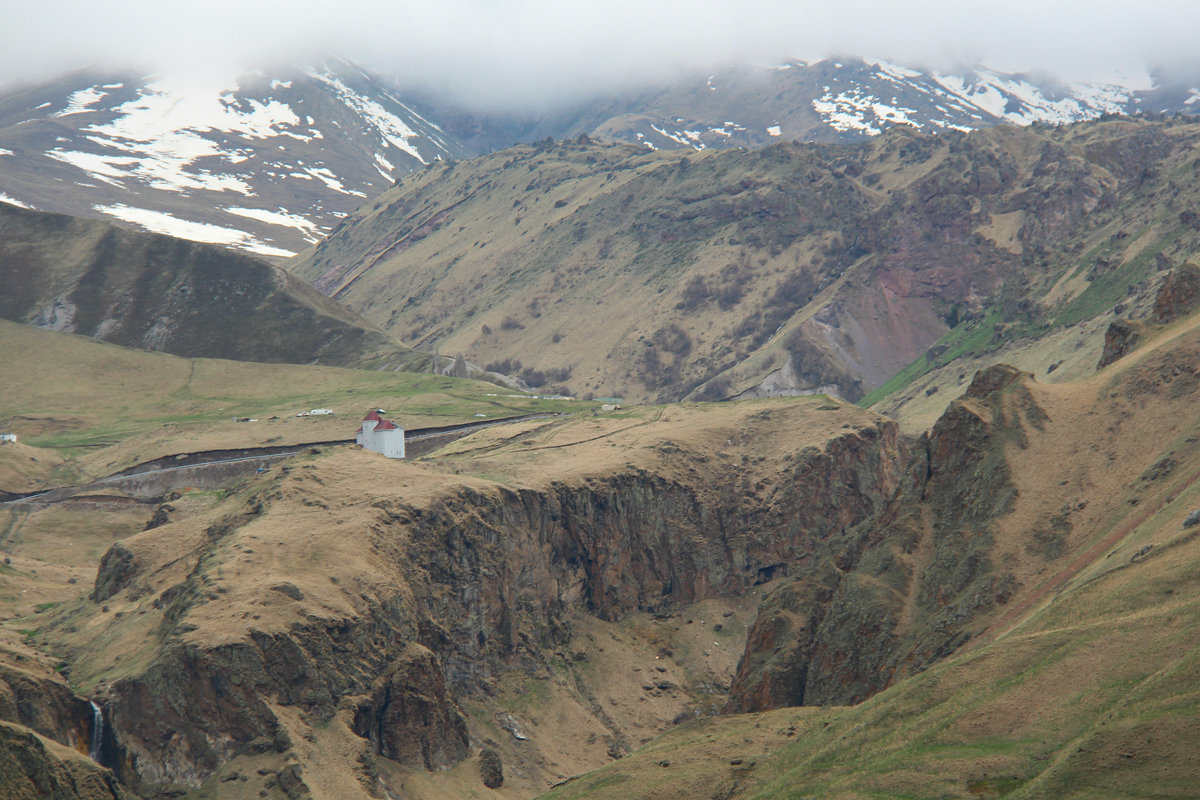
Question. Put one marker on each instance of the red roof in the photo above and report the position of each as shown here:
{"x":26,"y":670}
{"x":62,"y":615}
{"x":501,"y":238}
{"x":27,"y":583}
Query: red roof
{"x":359,"y":429}
{"x":385,"y":425}
{"x":372,"y":415}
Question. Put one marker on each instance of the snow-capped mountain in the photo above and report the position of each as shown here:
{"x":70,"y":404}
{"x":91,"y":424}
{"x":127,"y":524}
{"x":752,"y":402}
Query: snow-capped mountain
{"x":270,"y":162}
{"x":265,"y":163}
{"x":840,"y":100}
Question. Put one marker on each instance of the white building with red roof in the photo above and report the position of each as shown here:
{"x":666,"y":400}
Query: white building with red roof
{"x":381,"y":435}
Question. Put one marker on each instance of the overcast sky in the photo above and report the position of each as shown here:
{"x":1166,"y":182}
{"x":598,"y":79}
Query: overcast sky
{"x":518,"y":51}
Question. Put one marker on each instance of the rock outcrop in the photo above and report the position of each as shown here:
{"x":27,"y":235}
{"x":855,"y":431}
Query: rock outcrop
{"x":166,"y":738}
{"x":36,"y":768}
{"x":900,"y":591}
{"x":409,"y":717}
{"x":1178,"y":295}
{"x":47,"y":707}
{"x":1121,"y":337}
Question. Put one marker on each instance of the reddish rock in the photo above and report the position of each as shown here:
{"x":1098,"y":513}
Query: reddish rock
{"x":1122,"y":336}
{"x":1178,"y":295}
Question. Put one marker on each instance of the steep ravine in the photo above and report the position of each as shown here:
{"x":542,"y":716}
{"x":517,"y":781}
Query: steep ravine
{"x":351,"y":589}
{"x":912,"y":588}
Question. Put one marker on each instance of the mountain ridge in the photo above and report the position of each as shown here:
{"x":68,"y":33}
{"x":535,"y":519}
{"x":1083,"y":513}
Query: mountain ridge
{"x":621,"y":271}
{"x":160,"y":293}
{"x":264,"y":162}
{"x":270,"y":161}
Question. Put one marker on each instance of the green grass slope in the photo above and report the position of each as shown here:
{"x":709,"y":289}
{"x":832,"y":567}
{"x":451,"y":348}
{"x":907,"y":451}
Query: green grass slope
{"x":85,"y":408}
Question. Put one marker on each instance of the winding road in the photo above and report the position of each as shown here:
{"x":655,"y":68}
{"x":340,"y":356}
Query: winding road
{"x":212,"y":458}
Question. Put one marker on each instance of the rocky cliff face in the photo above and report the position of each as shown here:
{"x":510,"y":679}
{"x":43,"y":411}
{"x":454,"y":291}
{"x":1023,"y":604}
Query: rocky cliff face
{"x":409,"y":717}
{"x":433,"y":593}
{"x":50,"y":739}
{"x":35,"y":768}
{"x":904,"y":589}
{"x":46,"y":706}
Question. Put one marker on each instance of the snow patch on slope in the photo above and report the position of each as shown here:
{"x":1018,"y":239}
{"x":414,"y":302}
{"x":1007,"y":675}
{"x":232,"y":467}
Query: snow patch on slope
{"x":886,"y":94}
{"x":327,"y":177}
{"x":158,"y":222}
{"x":282,"y":217}
{"x":391,"y":127}
{"x":12,"y":201}
{"x":79,"y":101}
{"x":1015,"y":99}
{"x":855,"y":110}
{"x":161,"y":131}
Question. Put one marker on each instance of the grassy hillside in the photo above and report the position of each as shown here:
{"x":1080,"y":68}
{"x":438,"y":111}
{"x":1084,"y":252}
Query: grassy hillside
{"x":1079,"y":683}
{"x":1010,"y":598}
{"x":92,"y":408}
{"x":159,"y":293}
{"x":1016,"y":595}
{"x":545,"y":563}
{"x":619,"y":271}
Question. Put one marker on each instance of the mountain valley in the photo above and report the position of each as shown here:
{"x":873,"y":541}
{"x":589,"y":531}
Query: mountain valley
{"x":859,"y":459}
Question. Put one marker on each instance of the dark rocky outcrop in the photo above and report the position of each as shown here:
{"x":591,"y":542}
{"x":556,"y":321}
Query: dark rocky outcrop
{"x":900,"y":590}
{"x":35,"y":768}
{"x":491,"y":768}
{"x":1121,"y":337}
{"x":409,"y":718}
{"x":1178,"y":295}
{"x":116,"y":569}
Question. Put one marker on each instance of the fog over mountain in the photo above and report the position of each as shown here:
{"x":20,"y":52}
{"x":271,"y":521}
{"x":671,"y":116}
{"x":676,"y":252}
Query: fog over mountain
{"x":528,"y":53}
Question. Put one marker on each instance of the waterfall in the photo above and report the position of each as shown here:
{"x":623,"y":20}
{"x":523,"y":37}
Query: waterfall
{"x":97,"y":732}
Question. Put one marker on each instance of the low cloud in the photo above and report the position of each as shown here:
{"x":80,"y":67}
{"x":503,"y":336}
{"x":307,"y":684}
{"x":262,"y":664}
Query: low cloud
{"x":531,"y":52}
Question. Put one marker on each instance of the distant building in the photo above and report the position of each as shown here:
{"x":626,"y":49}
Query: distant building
{"x":8,"y":437}
{"x":381,"y":435}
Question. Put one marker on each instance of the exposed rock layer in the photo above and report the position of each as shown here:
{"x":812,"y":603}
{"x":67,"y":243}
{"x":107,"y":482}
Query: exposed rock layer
{"x":901,"y":591}
{"x":485,"y":576}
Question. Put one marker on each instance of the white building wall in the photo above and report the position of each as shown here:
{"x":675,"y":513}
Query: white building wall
{"x":387,"y":442}
{"x":390,"y":443}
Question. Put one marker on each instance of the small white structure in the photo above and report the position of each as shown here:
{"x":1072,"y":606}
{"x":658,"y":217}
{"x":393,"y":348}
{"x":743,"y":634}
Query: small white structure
{"x":8,"y":437}
{"x":381,"y":435}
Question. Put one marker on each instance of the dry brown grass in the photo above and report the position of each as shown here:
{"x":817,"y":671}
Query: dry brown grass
{"x":1082,"y":686}
{"x":324,"y":534}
